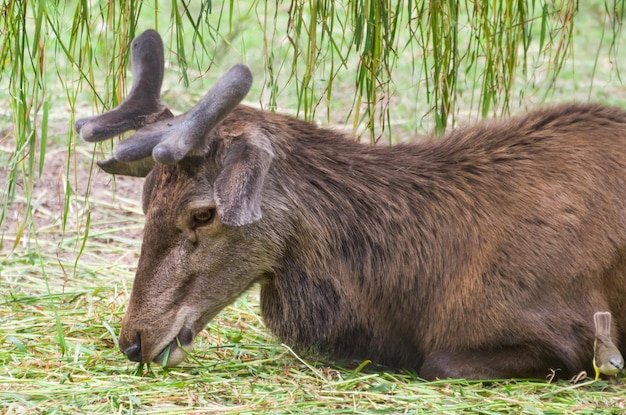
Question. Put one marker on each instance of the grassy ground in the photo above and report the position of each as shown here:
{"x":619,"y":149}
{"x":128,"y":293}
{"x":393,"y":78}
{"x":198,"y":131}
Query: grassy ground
{"x":66,"y":273}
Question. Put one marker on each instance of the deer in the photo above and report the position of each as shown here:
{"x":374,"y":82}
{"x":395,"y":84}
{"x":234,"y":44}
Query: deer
{"x":482,"y":254}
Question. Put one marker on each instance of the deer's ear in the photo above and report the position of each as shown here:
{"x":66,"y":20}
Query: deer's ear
{"x":238,"y":188}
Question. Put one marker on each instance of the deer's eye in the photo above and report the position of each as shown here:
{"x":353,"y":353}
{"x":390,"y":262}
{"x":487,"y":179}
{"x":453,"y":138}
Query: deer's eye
{"x":201,"y":217}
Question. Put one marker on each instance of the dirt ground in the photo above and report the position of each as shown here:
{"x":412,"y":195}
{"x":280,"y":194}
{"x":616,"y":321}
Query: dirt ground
{"x":68,"y":188}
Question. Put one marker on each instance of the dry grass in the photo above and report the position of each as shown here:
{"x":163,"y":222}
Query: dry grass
{"x":69,"y":244}
{"x":63,"y":297}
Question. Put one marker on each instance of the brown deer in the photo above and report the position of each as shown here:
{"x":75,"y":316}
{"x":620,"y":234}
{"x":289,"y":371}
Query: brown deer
{"x":480,"y":255}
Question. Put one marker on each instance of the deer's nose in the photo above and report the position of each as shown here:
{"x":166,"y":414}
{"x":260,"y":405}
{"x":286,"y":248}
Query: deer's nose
{"x":132,"y":350}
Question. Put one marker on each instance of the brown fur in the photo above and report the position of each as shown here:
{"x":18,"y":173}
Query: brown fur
{"x":481,"y":255}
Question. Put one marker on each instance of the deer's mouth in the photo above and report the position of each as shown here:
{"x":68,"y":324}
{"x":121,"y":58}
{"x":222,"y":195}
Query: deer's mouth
{"x":165,"y":348}
{"x":176,"y":351}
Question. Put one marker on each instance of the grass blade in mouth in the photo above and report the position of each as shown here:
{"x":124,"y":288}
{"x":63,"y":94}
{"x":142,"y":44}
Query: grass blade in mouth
{"x":140,"y":369}
{"x":166,"y":354}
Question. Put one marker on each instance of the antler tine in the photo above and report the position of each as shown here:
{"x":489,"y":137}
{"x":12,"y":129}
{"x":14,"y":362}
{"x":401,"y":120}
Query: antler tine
{"x":188,"y":133}
{"x":136,"y":168}
{"x":133,"y":156}
{"x":170,"y":140}
{"x":143,"y":104}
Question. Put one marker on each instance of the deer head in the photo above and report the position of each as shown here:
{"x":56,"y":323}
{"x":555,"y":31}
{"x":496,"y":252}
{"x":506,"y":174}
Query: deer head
{"x":202,"y":194}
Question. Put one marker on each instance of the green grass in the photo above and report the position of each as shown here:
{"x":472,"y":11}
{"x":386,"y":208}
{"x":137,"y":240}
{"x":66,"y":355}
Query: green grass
{"x":70,"y":235}
{"x":59,"y":356}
